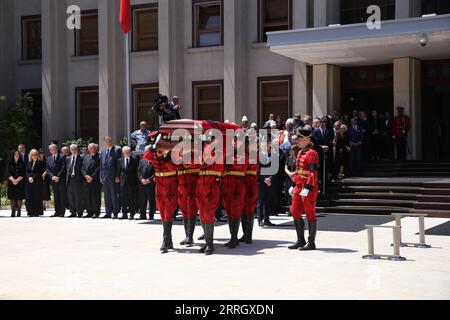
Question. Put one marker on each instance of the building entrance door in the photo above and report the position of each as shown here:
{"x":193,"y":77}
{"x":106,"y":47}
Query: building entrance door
{"x":367,"y":88}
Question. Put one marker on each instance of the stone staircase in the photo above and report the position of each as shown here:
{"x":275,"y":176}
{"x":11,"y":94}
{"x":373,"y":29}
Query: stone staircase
{"x":405,"y":187}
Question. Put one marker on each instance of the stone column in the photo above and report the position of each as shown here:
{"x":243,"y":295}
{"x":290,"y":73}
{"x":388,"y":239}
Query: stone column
{"x":326,"y":12}
{"x":301,"y":85}
{"x":326,"y":89}
{"x":55,"y":123}
{"x":407,"y":94}
{"x":407,"y":8}
{"x":171,"y":48}
{"x":111,"y":64}
{"x":234,"y":59}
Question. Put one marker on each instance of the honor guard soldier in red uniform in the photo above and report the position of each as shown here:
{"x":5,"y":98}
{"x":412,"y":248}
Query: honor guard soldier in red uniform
{"x":233,"y":191}
{"x":208,"y":192}
{"x":166,"y":181}
{"x":402,"y":125}
{"x":304,"y":194}
{"x":251,"y":195}
{"x":188,"y":173}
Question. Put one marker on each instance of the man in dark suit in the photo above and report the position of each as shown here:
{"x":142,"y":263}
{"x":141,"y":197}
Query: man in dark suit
{"x":109,"y":159}
{"x":92,"y":186}
{"x":264,"y":186}
{"x":388,"y":141}
{"x":74,"y":182}
{"x":56,"y":170}
{"x":323,"y":144}
{"x":146,"y":175}
{"x":355,"y":137}
{"x":375,"y":129}
{"x":127,"y":171}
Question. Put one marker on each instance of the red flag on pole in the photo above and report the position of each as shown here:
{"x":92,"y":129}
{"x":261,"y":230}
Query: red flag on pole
{"x":125,"y":15}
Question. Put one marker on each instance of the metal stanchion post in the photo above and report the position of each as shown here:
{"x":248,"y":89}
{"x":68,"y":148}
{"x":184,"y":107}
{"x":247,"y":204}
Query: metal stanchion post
{"x":422,"y":243}
{"x":371,"y":247}
{"x":396,"y":256}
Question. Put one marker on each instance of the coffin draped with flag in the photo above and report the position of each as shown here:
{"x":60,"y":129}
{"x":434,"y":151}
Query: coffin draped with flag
{"x":192,"y":127}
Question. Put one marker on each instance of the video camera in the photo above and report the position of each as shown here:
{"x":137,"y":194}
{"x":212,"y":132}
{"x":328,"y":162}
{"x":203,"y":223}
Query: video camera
{"x":158,"y":104}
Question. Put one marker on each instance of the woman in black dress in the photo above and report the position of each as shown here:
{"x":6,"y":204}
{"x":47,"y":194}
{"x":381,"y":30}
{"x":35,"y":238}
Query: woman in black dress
{"x":35,"y":170}
{"x":16,"y":182}
{"x":342,"y":150}
{"x":46,"y":178}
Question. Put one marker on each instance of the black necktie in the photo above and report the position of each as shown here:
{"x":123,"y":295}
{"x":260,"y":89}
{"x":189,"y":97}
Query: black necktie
{"x":126,"y":163}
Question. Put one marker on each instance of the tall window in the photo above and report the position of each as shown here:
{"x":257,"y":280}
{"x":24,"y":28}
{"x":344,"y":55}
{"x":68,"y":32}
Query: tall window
{"x":355,"y":11}
{"x":143,"y":97}
{"x":274,"y":15}
{"x":208,"y":23}
{"x":86,"y":39}
{"x":435,"y":6}
{"x":31,"y":38}
{"x":274,"y":97}
{"x":208,"y":100}
{"x":87,"y":113}
{"x":145,"y":27}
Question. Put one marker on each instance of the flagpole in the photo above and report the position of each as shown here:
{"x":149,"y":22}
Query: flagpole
{"x":128,"y":86}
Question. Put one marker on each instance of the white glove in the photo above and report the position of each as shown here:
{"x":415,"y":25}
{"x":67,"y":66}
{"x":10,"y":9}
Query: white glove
{"x":291,"y":191}
{"x":304,"y":193}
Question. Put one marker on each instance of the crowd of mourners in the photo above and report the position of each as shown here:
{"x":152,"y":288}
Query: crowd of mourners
{"x":77,"y":175}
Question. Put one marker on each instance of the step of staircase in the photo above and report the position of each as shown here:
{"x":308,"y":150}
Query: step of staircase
{"x":383,"y":188}
{"x":435,"y":191}
{"x":432,"y":205}
{"x":375,"y":203}
{"x":433,"y":213}
{"x":434,"y":198}
{"x":380,"y":210}
{"x":378,"y":196}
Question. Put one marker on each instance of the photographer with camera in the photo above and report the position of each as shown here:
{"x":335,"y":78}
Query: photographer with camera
{"x":166,"y":110}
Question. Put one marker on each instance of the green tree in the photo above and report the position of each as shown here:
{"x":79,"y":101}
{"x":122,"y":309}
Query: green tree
{"x":16,"y":123}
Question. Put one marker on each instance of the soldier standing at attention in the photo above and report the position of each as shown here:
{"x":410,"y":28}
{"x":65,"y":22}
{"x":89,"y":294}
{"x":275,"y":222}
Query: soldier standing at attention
{"x":304,"y":195}
{"x":402,"y":125}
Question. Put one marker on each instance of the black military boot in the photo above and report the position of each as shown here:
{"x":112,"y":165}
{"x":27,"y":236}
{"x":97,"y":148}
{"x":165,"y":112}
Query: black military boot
{"x":300,"y":229}
{"x":203,"y":247}
{"x":209,"y":237}
{"x":230,"y":227}
{"x":186,"y":239}
{"x":202,"y":237}
{"x":132,"y":214}
{"x":311,"y":245}
{"x":166,"y":245}
{"x":142,"y":216}
{"x":124,"y":216}
{"x":191,"y":229}
{"x":244,"y":220}
{"x":234,"y":242}
{"x":250,"y":222}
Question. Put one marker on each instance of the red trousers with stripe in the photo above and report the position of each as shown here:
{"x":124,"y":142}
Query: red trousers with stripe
{"x":233,"y":196}
{"x":306,"y":204}
{"x":208,"y":197}
{"x":187,"y":189}
{"x":166,"y":197}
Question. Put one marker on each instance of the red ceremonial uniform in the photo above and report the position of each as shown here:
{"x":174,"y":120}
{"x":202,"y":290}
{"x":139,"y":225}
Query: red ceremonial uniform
{"x":306,"y":178}
{"x":402,"y":125}
{"x":233,"y":188}
{"x":208,"y":187}
{"x":188,"y":175}
{"x":166,"y":181}
{"x":251,"y":188}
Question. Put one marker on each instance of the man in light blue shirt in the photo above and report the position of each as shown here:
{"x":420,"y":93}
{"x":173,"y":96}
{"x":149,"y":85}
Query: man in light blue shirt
{"x":141,"y":137}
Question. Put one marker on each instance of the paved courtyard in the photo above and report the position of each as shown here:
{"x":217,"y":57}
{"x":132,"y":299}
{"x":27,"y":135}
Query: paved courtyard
{"x":52,"y":258}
